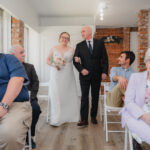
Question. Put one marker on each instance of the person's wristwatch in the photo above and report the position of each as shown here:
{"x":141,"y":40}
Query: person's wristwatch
{"x":4,"y":105}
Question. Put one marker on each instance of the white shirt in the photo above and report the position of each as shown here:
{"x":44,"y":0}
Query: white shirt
{"x":91,"y":42}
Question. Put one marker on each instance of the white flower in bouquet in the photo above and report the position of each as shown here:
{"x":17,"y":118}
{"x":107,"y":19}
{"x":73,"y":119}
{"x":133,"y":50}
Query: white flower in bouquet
{"x":58,"y":61}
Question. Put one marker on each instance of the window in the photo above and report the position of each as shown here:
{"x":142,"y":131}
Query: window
{"x":26,"y":43}
{"x":6,"y":34}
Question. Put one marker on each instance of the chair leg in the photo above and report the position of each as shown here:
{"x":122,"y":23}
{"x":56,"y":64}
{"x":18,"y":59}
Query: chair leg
{"x":29,"y":139}
{"x":106,"y":125}
{"x":126,"y":139}
{"x":47,"y":118}
{"x":130,"y":141}
{"x":100,"y":106}
{"x":104,"y":119}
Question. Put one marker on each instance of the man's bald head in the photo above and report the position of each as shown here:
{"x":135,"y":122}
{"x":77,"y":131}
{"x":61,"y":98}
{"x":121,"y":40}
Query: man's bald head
{"x":86,"y":32}
{"x":18,"y":51}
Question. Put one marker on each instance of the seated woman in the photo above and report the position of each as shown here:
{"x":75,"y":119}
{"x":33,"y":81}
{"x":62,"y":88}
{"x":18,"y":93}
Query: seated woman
{"x":136,"y":112}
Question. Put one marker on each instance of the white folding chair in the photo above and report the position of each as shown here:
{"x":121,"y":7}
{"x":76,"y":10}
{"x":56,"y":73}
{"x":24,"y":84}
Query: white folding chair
{"x":43,"y":94}
{"x":43,"y":91}
{"x":29,"y":141}
{"x":126,"y":136}
{"x":48,"y":111}
{"x":108,"y":109}
{"x":131,"y":136}
{"x":101,"y":99}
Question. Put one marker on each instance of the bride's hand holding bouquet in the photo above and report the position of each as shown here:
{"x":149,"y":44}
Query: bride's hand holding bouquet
{"x":58,"y":62}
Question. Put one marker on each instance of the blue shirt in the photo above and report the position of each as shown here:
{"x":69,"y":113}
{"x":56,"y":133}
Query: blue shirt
{"x":11,"y":67}
{"x":119,"y":71}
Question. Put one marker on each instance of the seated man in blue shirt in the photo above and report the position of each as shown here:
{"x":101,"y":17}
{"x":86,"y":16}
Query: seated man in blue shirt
{"x":119,"y":77}
{"x":15,"y":109}
{"x":33,"y":87}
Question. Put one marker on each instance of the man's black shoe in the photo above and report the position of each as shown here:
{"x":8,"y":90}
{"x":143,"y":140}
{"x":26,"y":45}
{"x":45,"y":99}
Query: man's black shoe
{"x":33,"y":144}
{"x":82,"y":123}
{"x":94,"y":121}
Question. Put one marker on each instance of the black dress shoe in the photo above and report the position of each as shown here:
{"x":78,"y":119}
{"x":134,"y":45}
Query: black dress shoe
{"x":136,"y":145}
{"x":32,"y":143}
{"x":82,"y":123}
{"x":94,"y":121}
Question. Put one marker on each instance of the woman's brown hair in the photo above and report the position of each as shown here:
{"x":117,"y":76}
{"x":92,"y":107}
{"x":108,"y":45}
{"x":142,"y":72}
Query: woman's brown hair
{"x":64,"y":33}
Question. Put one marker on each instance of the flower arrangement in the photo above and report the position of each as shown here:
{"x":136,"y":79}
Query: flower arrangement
{"x":59,"y":62}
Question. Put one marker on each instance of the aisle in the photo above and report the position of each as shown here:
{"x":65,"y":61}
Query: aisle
{"x":71,"y":137}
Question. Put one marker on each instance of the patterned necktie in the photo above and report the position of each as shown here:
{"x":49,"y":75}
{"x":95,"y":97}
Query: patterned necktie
{"x":90,"y":47}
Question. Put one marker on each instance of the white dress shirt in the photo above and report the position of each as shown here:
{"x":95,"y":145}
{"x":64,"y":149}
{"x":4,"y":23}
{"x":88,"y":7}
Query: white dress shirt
{"x":91,"y":42}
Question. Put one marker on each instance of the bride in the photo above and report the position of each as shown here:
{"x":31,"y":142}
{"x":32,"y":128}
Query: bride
{"x":64,"y":102}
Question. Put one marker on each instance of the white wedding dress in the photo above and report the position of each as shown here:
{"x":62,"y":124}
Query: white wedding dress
{"x":64,"y":101}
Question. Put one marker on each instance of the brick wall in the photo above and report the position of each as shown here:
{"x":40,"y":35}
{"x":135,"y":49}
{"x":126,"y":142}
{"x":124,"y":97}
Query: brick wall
{"x":142,"y":38}
{"x":126,"y":39}
{"x":17,"y":30}
{"x":114,"y":49}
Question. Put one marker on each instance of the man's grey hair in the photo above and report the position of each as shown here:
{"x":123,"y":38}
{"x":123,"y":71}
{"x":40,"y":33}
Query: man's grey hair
{"x":147,"y":55}
{"x":13,"y":49}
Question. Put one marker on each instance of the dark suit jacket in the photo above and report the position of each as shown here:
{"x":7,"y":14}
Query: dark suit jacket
{"x":33,"y":78}
{"x":96,"y":63}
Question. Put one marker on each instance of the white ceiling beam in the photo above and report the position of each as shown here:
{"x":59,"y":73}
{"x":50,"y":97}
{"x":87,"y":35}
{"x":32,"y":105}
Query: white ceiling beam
{"x":21,"y":9}
{"x":66,"y":21}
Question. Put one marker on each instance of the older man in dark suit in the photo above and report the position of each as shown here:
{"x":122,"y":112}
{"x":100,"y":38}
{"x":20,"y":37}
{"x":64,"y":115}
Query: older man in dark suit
{"x":93,"y":66}
{"x":33,"y":87}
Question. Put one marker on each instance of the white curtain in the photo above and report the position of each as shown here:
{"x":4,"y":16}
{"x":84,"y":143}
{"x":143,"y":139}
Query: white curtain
{"x":134,"y":48}
{"x":26,"y":43}
{"x":32,"y":48}
{"x":6,"y":44}
{"x":37,"y":47}
{"x":43,"y":53}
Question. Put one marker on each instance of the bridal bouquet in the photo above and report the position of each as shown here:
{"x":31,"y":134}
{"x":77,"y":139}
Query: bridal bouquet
{"x":59,"y":62}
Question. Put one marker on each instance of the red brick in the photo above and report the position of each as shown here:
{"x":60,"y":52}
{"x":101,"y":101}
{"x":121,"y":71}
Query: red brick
{"x":17,"y":30}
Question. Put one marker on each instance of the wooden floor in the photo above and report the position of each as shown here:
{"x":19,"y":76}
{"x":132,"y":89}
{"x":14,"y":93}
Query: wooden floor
{"x":70,"y":137}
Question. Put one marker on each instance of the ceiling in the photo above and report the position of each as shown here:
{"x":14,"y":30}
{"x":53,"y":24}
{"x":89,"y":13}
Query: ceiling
{"x":117,"y":13}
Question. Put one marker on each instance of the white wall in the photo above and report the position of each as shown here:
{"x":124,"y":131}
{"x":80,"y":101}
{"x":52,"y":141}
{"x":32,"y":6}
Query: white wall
{"x":134,"y":47}
{"x":49,"y":38}
{"x":34,"y":49}
{"x":22,"y":10}
{"x":6,"y":32}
